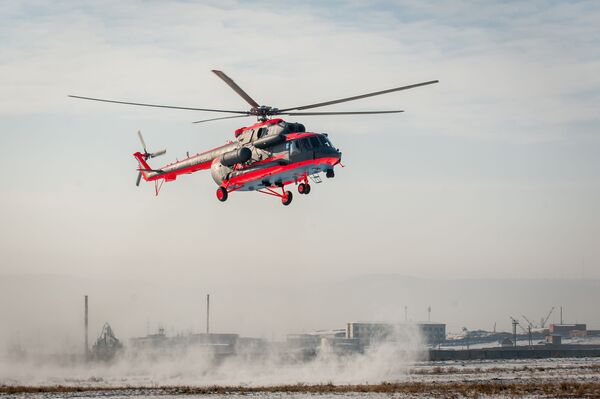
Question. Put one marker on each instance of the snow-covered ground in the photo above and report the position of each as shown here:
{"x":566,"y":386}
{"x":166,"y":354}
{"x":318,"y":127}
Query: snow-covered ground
{"x":517,"y":370}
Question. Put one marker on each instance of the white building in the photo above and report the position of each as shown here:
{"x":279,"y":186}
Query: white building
{"x":368,"y":333}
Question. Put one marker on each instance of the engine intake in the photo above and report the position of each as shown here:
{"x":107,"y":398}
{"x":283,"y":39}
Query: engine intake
{"x":268,"y":141}
{"x":240,"y":155}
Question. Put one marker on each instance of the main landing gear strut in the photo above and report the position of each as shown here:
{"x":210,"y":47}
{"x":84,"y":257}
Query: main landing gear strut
{"x":286,"y":196}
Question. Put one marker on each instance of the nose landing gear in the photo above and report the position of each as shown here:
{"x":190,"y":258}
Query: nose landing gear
{"x":303,"y":188}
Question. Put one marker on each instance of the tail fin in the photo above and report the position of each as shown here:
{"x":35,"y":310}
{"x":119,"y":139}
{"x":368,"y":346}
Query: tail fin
{"x":144,"y":168}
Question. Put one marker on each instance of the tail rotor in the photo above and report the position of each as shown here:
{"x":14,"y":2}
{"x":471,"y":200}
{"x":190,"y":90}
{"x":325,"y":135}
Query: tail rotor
{"x":147,"y":155}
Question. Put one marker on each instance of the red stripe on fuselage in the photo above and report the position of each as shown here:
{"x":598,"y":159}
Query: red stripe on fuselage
{"x":277,"y":169}
{"x":296,"y":136}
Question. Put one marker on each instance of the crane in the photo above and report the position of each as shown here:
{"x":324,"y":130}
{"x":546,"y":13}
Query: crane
{"x":544,"y":321}
{"x":528,"y":322}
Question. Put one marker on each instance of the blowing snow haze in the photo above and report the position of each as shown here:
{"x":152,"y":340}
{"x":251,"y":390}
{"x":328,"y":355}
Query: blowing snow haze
{"x":485,"y":190}
{"x":49,"y":315}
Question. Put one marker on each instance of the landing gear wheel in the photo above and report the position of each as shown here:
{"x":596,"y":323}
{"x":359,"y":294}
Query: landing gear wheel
{"x":330,"y":174}
{"x":222,"y":194}
{"x":287,"y":198}
{"x":307,"y":189}
{"x":302,"y":188}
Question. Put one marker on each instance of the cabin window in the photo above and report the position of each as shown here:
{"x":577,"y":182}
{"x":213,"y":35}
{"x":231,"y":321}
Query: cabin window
{"x":294,"y":148}
{"x":261,"y":132}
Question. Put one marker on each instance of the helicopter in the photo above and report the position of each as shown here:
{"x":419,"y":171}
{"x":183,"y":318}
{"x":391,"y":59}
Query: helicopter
{"x":264,"y":157}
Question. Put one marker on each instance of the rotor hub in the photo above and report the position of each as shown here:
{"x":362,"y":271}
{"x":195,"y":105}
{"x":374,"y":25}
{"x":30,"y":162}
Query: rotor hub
{"x":264,"y":111}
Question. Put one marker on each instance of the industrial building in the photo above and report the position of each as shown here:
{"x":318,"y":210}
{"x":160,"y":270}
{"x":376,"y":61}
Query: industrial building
{"x":355,"y":338}
{"x":360,"y":336}
{"x":107,"y":345}
{"x":432,"y":333}
{"x":306,"y":345}
{"x":161,"y":344}
{"x":370,"y":333}
{"x":568,"y":330}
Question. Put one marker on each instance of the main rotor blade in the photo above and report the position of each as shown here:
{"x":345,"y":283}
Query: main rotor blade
{"x":342,"y":113}
{"x":142,"y":140}
{"x":158,"y":153}
{"x":224,"y":117}
{"x":151,"y":170}
{"x":159,"y":106}
{"x":236,"y":88}
{"x":343,"y":100}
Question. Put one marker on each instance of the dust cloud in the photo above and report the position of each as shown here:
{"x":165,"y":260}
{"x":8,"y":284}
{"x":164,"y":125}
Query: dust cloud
{"x":388,"y":360}
{"x":42,"y":334}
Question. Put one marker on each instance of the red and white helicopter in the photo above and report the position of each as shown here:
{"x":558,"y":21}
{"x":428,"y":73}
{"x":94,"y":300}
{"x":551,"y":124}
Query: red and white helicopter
{"x":265,"y":157}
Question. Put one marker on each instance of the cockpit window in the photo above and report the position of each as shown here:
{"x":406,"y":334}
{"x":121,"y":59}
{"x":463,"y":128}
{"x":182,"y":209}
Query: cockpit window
{"x":324,"y":142}
{"x":305,"y":144}
{"x":314,"y":141}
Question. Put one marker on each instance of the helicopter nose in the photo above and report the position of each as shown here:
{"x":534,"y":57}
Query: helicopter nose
{"x":330,"y":152}
{"x":338,"y":153}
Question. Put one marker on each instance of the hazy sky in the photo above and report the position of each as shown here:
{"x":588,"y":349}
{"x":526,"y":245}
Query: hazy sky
{"x":494,"y":172}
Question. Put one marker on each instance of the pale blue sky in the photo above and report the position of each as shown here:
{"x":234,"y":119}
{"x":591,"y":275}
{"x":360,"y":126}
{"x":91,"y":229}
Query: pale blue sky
{"x":492,"y":173}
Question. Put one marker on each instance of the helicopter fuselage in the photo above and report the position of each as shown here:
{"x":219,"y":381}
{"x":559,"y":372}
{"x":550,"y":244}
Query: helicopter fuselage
{"x":269,"y":154}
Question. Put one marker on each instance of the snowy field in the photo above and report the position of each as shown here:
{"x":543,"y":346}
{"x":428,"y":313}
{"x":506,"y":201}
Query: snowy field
{"x":503,"y":378}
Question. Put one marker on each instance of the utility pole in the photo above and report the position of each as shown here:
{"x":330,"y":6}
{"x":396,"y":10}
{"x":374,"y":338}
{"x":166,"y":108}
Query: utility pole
{"x":561,"y":319}
{"x":514,"y":326}
{"x":207,"y":314}
{"x":429,"y":313}
{"x":86,"y":348}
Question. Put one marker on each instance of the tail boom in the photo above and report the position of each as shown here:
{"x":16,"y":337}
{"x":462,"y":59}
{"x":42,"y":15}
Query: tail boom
{"x":147,"y":172}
